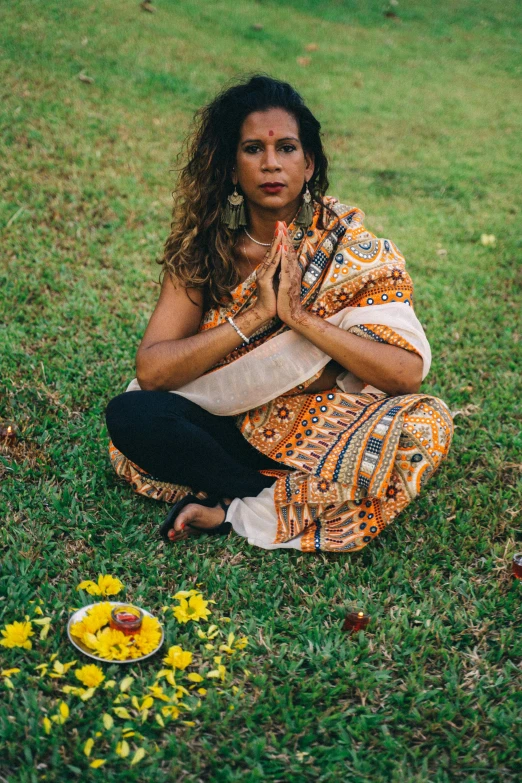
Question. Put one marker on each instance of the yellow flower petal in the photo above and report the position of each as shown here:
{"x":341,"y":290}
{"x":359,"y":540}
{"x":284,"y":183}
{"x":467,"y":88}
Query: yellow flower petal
{"x":73,"y":689}
{"x":108,"y":721}
{"x":122,"y":712}
{"x":159,"y":720}
{"x":126,"y":683}
{"x":123,"y":749}
{"x":44,"y":633}
{"x":47,"y":725}
{"x":90,"y":587}
{"x":185,"y":594}
{"x":193,"y":677}
{"x":64,"y":710}
{"x":88,"y":694}
{"x":97,"y":763}
{"x":87,"y":748}
{"x":42,"y":621}
{"x":140,"y":753}
{"x":8,"y":672}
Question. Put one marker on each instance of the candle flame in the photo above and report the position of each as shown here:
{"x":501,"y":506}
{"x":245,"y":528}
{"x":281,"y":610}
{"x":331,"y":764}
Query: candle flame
{"x":361,"y":614}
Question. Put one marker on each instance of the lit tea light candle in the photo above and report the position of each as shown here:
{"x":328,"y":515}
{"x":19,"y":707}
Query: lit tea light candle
{"x":127,"y":619}
{"x":8,"y":433}
{"x":517,"y":565}
{"x":355,"y":621}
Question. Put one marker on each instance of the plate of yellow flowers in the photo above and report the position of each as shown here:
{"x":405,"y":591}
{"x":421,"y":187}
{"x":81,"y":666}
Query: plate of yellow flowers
{"x":115,"y":632}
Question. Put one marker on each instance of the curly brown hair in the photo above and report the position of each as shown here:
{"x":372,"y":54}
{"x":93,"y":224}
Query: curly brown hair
{"x":199,"y":250}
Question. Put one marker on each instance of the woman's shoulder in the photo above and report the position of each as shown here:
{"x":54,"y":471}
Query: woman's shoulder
{"x":334,"y":211}
{"x":351,"y":219}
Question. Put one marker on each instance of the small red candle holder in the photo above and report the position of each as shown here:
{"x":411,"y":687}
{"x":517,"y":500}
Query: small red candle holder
{"x":355,"y":621}
{"x":8,"y":433}
{"x":517,"y":565}
{"x":127,"y":619}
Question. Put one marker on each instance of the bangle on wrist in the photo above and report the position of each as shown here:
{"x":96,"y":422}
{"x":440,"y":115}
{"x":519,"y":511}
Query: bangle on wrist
{"x":238,"y":330}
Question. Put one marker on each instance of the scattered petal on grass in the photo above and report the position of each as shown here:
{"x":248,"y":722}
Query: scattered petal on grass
{"x":47,"y":725}
{"x":138,"y":756}
{"x":188,"y":722}
{"x":202,"y":691}
{"x":170,"y":711}
{"x":109,"y":684}
{"x":123,"y":749}
{"x":194,"y":677}
{"x":64,"y":710}
{"x":185,"y":594}
{"x":76,"y":691}
{"x":160,"y":721}
{"x":9,"y":672}
{"x":158,"y":692}
{"x":88,"y":694}
{"x":108,"y":721}
{"x":169,"y":676}
{"x":17,"y":635}
{"x":146,"y":704}
{"x":87,"y":748}
{"x":45,"y":622}
{"x":122,"y":712}
{"x":488,"y":239}
{"x":126,"y":683}
{"x":97,"y":763}
{"x":218,"y":673}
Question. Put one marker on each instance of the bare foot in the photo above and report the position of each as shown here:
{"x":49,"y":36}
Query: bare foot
{"x":196,"y":516}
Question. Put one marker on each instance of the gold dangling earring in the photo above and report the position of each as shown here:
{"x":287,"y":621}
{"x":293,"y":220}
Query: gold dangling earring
{"x":306,"y":213}
{"x":234,"y":214}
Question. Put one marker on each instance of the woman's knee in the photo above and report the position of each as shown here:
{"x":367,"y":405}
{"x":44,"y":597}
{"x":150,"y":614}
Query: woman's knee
{"x":128,"y":416}
{"x":139,"y":416}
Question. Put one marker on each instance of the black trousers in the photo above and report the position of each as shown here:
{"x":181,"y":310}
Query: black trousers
{"x":175,"y":440}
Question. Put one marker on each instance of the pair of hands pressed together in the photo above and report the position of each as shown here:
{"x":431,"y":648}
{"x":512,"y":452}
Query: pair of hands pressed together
{"x":279,"y":281}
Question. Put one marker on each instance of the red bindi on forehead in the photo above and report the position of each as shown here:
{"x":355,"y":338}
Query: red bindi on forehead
{"x":271,"y":133}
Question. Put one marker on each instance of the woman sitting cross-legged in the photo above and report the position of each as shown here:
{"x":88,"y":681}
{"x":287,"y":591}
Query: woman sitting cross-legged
{"x":278,"y":379}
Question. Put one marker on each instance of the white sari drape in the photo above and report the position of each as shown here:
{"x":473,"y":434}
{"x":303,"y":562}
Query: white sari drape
{"x":274,"y":368}
{"x":289,"y":359}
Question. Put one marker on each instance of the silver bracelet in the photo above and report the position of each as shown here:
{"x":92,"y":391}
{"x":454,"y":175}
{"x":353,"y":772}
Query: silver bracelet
{"x":238,"y":330}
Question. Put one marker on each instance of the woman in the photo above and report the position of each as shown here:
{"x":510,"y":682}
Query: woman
{"x":278,"y":379}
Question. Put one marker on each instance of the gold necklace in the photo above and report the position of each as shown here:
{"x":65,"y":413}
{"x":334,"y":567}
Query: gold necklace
{"x":247,"y":256}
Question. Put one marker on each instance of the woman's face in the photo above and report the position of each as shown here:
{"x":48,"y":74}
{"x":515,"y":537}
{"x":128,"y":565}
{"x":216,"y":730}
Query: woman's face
{"x":271,"y":165}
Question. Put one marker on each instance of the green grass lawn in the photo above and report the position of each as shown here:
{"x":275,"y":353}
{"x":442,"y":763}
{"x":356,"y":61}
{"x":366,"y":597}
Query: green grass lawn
{"x":420,"y":104}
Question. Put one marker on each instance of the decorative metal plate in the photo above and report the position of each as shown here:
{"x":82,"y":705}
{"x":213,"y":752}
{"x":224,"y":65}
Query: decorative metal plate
{"x":80,"y":614}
